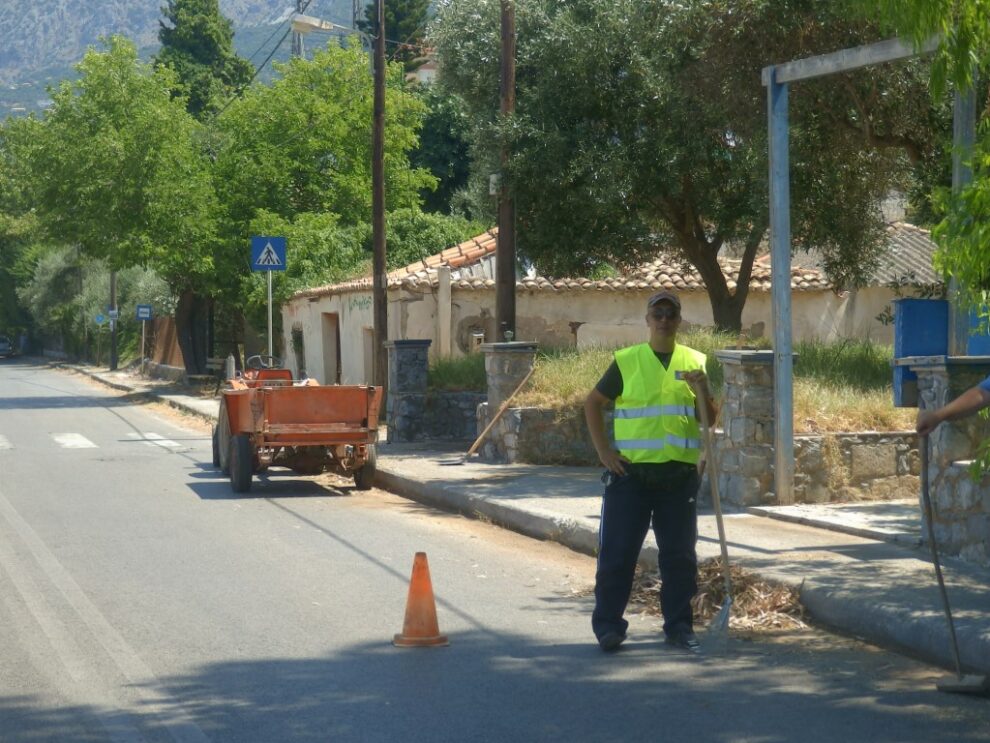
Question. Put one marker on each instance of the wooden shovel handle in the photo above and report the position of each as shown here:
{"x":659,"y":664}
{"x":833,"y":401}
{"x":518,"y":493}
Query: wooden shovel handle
{"x":502,"y":408}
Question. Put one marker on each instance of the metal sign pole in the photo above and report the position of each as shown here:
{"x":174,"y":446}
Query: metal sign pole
{"x":144,"y":325}
{"x":270,"y":315}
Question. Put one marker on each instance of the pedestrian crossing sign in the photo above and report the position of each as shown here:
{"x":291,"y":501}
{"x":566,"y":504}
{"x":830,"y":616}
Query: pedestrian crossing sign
{"x":267,"y":253}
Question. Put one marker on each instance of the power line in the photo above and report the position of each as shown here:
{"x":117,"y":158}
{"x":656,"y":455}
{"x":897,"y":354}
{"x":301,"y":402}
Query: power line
{"x":272,"y":35}
{"x":265,"y":42}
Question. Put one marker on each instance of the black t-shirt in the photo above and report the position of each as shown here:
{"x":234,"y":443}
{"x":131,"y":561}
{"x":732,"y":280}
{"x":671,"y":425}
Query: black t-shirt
{"x":610,"y":385}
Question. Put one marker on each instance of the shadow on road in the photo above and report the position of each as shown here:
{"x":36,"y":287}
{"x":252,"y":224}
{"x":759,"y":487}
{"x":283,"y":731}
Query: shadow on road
{"x":502,"y":687}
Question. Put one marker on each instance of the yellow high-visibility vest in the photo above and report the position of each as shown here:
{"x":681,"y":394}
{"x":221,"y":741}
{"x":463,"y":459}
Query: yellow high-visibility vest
{"x":654,"y":415}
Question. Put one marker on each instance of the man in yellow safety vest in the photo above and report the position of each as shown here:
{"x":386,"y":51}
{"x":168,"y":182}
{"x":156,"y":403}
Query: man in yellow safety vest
{"x":651,"y":474}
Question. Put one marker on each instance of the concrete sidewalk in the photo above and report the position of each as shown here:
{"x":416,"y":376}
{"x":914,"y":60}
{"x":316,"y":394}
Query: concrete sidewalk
{"x":860,"y":568}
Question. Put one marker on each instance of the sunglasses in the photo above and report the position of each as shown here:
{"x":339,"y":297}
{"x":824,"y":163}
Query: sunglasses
{"x":664,"y":313}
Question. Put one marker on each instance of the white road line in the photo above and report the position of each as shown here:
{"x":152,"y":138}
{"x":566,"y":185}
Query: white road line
{"x":117,"y":724}
{"x":153,"y":699}
{"x":154,"y":439}
{"x":5,"y":443}
{"x":73,"y":441}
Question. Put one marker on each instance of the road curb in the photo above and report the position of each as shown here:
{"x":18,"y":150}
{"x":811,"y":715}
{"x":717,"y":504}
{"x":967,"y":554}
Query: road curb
{"x":566,"y":531}
{"x":906,"y":540}
{"x":916,"y":634}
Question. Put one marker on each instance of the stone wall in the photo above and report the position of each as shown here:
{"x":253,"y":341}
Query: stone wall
{"x":406,"y":402}
{"x":843,"y":467}
{"x":829,"y":468}
{"x":540,"y":436}
{"x":961,"y":505}
{"x":451,"y":415}
{"x":962,"y":513}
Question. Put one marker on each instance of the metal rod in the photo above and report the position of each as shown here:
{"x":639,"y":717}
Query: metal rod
{"x":929,"y":520}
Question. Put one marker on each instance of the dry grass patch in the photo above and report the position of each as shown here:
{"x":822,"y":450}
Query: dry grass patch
{"x":828,"y":407}
{"x":757,"y":606}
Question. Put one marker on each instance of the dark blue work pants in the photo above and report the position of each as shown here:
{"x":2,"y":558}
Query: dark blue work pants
{"x":628,"y":506}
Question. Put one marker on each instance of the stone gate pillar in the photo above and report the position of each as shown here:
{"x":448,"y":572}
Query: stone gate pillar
{"x":408,"y":364}
{"x":961,"y":505}
{"x":745,"y":451}
{"x":506,"y":365}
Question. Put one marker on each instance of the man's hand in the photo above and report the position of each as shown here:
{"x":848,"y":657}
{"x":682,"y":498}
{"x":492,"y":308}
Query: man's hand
{"x":696,"y":378}
{"x":928,"y":421}
{"x":613,"y":461}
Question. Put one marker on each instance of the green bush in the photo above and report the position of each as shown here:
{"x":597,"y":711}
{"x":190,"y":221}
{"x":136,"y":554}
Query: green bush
{"x":464,"y":373}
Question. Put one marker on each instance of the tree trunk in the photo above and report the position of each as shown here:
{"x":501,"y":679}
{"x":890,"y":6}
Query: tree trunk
{"x":727,"y":306}
{"x":191,"y":329}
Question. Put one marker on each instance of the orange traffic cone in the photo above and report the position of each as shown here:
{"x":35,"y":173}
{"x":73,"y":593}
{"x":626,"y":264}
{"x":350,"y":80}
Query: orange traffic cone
{"x":420,"y":628}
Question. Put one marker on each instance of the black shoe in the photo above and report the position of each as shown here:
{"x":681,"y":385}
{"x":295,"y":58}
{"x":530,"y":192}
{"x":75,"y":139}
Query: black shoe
{"x":684,"y":641}
{"x":610,"y":641}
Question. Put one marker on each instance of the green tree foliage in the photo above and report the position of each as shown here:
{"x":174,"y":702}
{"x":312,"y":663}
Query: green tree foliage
{"x":963,"y":239}
{"x":19,"y":231}
{"x":197,"y":43}
{"x":961,"y":26}
{"x":413,"y":235}
{"x":303,"y":144}
{"x":444,"y":147}
{"x":405,"y":27}
{"x":641,"y":127}
{"x":294,"y":159}
{"x":117,"y":169}
{"x":66,"y":291}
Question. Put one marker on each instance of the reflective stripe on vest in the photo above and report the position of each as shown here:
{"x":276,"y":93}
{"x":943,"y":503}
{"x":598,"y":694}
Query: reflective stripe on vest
{"x":654,"y":410}
{"x":669,"y":440}
{"x":654,"y":416}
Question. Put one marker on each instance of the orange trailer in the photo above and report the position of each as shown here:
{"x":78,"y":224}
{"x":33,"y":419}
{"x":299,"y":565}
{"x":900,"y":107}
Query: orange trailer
{"x":268,"y":419}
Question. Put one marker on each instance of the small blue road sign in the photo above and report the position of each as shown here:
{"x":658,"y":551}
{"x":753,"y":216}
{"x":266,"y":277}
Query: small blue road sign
{"x":267,"y":253}
{"x":100,"y":319}
{"x":143,"y":312}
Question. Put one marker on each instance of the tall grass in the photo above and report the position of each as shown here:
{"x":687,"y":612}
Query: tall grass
{"x":841,"y":386}
{"x":458,"y":374}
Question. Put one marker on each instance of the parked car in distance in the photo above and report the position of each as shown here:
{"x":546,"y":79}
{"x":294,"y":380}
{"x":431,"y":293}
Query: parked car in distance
{"x":6,"y":347}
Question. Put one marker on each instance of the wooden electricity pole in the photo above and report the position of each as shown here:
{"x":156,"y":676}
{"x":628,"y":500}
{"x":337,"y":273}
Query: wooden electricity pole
{"x":297,"y":37}
{"x":379,"y":288}
{"x":505,"y":252}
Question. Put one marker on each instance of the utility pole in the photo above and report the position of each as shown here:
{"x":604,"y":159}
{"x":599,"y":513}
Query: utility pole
{"x":505,"y":251}
{"x":379,"y":287}
{"x":297,"y":38}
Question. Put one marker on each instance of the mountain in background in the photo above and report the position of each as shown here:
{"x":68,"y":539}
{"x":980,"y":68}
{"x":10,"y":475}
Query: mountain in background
{"x":43,"y":39}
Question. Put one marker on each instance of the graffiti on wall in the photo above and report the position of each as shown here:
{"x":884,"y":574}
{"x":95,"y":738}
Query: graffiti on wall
{"x":359,"y":303}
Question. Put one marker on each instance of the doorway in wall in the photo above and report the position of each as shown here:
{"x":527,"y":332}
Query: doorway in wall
{"x":331,"y":348}
{"x":299,"y":350}
{"x":369,"y":355}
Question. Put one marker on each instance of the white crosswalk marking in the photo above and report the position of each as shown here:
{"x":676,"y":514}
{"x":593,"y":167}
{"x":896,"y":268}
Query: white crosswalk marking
{"x":154,"y":439}
{"x":73,"y":441}
{"x":5,"y":443}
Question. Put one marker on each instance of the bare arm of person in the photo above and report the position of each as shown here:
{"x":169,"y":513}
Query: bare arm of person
{"x":699,"y":380}
{"x":970,"y":401}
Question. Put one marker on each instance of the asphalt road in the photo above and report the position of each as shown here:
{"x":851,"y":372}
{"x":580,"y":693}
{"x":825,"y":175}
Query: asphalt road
{"x":140,"y":600}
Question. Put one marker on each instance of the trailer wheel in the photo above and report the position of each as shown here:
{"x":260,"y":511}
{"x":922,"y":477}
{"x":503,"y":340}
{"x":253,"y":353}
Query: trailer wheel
{"x":364,"y":477}
{"x":223,"y":439}
{"x":216,"y":447}
{"x":240,"y":463}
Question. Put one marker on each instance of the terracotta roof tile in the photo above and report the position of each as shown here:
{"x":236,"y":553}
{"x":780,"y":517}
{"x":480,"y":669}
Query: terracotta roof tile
{"x":653,"y":275}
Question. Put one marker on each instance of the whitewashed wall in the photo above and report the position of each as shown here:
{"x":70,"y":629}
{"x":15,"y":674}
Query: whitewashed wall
{"x":556,"y":318}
